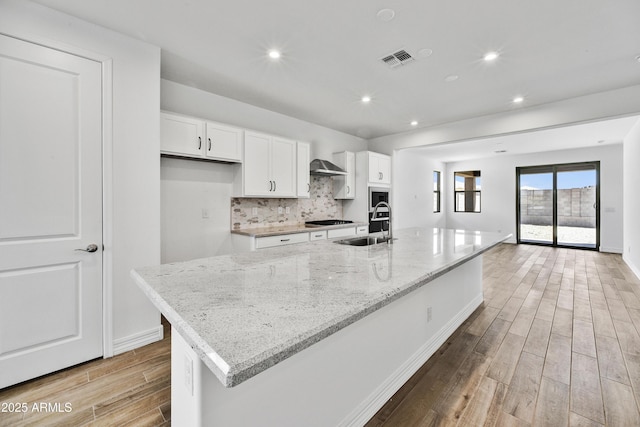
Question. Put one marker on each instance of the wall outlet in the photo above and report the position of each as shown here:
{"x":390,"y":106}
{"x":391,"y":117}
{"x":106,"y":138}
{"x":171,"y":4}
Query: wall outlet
{"x":188,"y":374}
{"x":280,"y":210}
{"x":254,"y":211}
{"x":429,"y":314}
{"x":205,"y":213}
{"x":287,"y":209}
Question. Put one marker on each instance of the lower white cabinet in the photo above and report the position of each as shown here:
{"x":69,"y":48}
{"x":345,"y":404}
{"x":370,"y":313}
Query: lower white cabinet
{"x":341,"y":232}
{"x":318,"y":235}
{"x":281,"y":240}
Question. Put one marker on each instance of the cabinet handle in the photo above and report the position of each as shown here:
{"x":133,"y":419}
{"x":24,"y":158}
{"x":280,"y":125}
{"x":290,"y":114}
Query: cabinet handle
{"x":270,"y":185}
{"x":348,"y":189}
{"x":284,"y":240}
{"x":318,"y":235}
{"x":308,"y":188}
{"x":199,"y":142}
{"x":379,"y":175}
{"x":209,"y":144}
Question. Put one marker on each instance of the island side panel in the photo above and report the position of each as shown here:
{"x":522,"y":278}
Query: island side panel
{"x":342,"y":380}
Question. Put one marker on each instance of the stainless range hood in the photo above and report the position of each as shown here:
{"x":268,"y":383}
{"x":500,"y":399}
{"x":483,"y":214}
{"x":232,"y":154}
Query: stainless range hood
{"x":325,"y":167}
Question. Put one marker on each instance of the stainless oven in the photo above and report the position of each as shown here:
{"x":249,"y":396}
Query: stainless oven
{"x":377,"y":195}
{"x":381,"y":221}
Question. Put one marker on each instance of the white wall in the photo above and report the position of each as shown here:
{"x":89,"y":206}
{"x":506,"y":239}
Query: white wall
{"x":631,"y":151}
{"x":135,"y":230}
{"x":412,"y":195}
{"x":187,"y":186}
{"x":499,"y":191}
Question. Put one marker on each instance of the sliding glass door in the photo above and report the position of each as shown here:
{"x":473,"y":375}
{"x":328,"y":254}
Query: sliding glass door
{"x":558,"y":205}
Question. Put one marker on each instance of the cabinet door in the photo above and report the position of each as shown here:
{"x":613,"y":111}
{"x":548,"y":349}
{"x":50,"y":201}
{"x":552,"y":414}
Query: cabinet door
{"x":255,"y":169}
{"x":344,"y":186}
{"x":223,"y":142}
{"x":379,"y":168}
{"x":181,"y":135}
{"x":304,"y":179}
{"x":283,"y":167}
{"x":384,"y":166}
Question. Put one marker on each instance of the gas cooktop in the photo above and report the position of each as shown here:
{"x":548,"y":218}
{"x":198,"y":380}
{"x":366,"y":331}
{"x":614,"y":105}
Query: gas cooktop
{"x":328,"y":222}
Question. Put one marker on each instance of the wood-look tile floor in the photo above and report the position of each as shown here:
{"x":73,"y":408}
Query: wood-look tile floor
{"x":555,"y":343}
{"x":131,"y":389}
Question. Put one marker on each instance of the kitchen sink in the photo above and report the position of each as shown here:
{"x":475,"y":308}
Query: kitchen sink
{"x":363,"y":241}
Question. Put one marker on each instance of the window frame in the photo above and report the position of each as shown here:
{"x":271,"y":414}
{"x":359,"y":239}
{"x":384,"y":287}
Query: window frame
{"x":476,"y":174}
{"x":437,"y":193}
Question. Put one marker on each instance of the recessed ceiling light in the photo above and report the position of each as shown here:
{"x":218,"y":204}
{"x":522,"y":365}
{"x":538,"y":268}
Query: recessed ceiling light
{"x":491,"y":56}
{"x":425,"y":53}
{"x":518,"y":100}
{"x":451,"y":78}
{"x":414,"y":123}
{"x":366,"y":99}
{"x":274,"y":54}
{"x":385,"y":15}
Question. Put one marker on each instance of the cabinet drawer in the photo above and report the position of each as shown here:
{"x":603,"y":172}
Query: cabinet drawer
{"x":318,"y":235}
{"x":284,"y":239}
{"x":341,"y":232}
{"x":362,"y":229}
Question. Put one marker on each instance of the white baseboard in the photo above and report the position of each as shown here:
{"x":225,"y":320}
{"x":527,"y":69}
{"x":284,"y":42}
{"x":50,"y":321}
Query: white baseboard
{"x":632,"y":267}
{"x":368,"y":408}
{"x":610,"y":250}
{"x":140,"y":339}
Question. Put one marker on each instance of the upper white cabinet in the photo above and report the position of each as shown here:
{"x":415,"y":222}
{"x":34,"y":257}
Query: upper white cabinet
{"x":269,"y":167}
{"x":379,"y":168}
{"x":192,"y":137}
{"x":304,"y":179}
{"x":344,"y":186}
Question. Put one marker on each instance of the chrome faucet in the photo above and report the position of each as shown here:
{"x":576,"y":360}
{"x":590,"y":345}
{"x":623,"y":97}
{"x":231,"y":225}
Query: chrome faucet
{"x":373,"y":218}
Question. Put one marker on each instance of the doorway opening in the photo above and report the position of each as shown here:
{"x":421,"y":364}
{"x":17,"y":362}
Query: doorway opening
{"x":559,"y":205}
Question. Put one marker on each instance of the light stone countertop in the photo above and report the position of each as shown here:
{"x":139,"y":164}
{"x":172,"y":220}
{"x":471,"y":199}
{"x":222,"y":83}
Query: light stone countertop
{"x":279,"y":230}
{"x":243,"y":313}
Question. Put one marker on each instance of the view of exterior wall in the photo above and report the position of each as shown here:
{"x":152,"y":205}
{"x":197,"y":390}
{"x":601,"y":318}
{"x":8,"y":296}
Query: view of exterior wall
{"x":575,"y":207}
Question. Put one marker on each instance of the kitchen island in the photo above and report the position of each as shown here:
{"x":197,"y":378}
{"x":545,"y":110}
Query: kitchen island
{"x":312,"y":334}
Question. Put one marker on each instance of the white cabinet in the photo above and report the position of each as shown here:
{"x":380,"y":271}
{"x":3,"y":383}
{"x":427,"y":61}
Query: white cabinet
{"x":344,"y":186}
{"x":284,"y":239}
{"x":341,"y":232}
{"x":379,"y":168}
{"x":304,"y":179}
{"x":269,"y":167}
{"x":197,"y":138}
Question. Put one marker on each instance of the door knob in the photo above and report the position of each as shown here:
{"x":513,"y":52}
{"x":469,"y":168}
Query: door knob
{"x":91,"y":248}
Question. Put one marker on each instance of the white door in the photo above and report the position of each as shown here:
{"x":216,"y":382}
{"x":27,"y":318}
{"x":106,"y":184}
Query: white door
{"x":283,"y":167}
{"x":303,"y":177}
{"x":181,"y":135}
{"x":257,"y":180}
{"x":224,"y":142}
{"x":50,"y":206}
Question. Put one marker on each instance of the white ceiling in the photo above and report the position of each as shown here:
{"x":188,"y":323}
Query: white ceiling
{"x":549,"y":50}
{"x":584,"y":135}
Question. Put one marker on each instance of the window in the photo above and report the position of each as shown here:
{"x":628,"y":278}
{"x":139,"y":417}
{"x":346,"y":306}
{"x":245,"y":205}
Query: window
{"x":467,"y":191}
{"x":436,"y":191}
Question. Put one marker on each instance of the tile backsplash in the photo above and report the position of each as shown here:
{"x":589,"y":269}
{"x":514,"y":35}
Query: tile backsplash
{"x":321,"y":205}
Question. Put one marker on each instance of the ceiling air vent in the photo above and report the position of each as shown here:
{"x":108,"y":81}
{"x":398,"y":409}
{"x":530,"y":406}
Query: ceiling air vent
{"x":397,"y":58}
